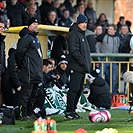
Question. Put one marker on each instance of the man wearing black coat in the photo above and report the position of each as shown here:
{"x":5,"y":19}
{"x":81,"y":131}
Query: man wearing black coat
{"x":2,"y":55}
{"x":30,"y":62}
{"x":11,"y":81}
{"x":16,"y":13}
{"x":78,"y":63}
{"x":100,"y":94}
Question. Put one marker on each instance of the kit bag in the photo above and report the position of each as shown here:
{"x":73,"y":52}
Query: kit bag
{"x":8,"y":116}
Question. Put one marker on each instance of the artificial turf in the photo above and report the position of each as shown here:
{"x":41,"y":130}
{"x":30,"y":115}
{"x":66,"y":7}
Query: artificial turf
{"x":69,"y":126}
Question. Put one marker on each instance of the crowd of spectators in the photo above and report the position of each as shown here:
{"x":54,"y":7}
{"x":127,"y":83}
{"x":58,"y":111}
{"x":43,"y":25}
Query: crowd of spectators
{"x":102,"y":37}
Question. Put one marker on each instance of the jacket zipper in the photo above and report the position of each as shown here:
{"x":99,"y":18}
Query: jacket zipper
{"x":29,"y":69}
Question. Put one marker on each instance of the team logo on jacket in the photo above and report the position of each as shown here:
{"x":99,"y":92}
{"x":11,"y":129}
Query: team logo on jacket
{"x":83,"y":40}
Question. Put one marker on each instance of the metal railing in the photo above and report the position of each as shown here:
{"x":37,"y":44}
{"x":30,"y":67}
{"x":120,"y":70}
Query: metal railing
{"x":107,"y":57}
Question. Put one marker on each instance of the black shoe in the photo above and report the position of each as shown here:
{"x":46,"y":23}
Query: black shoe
{"x":32,"y":117}
{"x":25,"y":118}
{"x":71,"y":115}
{"x":79,"y":117}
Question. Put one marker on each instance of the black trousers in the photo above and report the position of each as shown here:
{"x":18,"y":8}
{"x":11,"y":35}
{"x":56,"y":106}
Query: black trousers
{"x":27,"y":100}
{"x":75,"y":90}
{"x":39,"y":102}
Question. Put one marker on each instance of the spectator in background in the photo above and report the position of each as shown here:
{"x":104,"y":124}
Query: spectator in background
{"x":103,"y":21}
{"x":60,"y":10}
{"x":68,"y":5}
{"x":45,"y":7}
{"x":23,"y":2}
{"x":31,"y":12}
{"x":92,"y":42}
{"x":129,"y":24}
{"x":120,"y":23}
{"x":98,"y":31}
{"x":56,"y":5}
{"x":51,"y":19}
{"x":84,"y":2}
{"x":80,"y":9}
{"x":123,"y":35}
{"x":74,"y":17}
{"x":30,"y":2}
{"x":16,"y":13}
{"x":110,"y":43}
{"x":3,"y":14}
{"x":91,"y":15}
{"x":65,"y":20}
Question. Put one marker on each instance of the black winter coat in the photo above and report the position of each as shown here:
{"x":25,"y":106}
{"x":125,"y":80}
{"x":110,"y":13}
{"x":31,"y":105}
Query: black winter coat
{"x":59,"y":46}
{"x":65,"y":22}
{"x":2,"y":53}
{"x":14,"y":73}
{"x":16,"y":14}
{"x":79,"y":51}
{"x":100,"y":94}
{"x":63,"y":80}
{"x":27,"y":54}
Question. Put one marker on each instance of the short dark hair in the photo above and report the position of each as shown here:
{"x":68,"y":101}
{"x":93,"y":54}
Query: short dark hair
{"x":121,"y":17}
{"x":1,"y":21}
{"x":113,"y":25}
{"x":65,"y":10}
{"x":46,"y":62}
{"x":124,"y":25}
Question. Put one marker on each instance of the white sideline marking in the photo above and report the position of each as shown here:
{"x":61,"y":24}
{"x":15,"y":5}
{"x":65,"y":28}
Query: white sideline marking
{"x":99,"y":124}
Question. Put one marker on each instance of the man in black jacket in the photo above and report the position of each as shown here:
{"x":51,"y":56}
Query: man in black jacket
{"x":100,"y":94}
{"x":11,"y":80}
{"x":2,"y":54}
{"x":30,"y":62}
{"x":78,"y":63}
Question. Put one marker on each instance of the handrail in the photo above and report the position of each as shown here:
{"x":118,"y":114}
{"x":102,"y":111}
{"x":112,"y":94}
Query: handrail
{"x":112,"y":55}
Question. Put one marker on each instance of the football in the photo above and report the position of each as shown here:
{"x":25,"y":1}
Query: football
{"x":95,"y":116}
{"x":105,"y":116}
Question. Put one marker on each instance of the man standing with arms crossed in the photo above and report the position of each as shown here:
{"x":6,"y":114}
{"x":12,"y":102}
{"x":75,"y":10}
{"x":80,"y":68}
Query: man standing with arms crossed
{"x":30,"y":62}
{"x":78,"y":63}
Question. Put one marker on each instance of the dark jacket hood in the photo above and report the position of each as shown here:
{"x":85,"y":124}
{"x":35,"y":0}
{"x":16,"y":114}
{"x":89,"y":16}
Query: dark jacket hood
{"x":2,"y":37}
{"x":25,"y":31}
{"x":76,"y":28}
{"x":98,"y":81}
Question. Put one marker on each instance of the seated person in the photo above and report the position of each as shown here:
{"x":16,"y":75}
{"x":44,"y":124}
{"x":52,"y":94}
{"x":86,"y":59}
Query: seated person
{"x":40,"y":98}
{"x":61,"y":71}
{"x":100,"y":94}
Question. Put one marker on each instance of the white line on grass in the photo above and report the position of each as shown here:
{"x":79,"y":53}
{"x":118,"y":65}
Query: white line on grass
{"x":98,"y":124}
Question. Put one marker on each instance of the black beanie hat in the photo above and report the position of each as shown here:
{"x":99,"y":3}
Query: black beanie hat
{"x":32,"y":20}
{"x":2,"y":0}
{"x":95,"y":72}
{"x":63,"y":60}
{"x":81,"y":19}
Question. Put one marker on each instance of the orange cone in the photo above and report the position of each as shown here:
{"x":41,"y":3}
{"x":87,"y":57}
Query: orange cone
{"x":80,"y":130}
